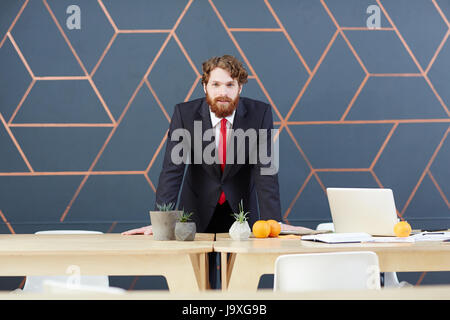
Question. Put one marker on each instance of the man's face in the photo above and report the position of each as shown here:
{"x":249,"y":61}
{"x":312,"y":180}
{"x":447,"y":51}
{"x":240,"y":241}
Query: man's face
{"x":222,"y":92}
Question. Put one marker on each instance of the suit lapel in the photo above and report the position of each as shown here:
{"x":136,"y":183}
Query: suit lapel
{"x":239,"y":122}
{"x":205,"y":117}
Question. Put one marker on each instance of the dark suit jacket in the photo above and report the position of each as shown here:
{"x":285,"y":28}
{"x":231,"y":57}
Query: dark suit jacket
{"x":203,"y":183}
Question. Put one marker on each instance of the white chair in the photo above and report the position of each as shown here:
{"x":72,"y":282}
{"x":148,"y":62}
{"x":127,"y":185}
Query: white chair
{"x":35,"y":283}
{"x":326,"y":226}
{"x":390,"y":278}
{"x":327,"y":271}
{"x":56,"y":287}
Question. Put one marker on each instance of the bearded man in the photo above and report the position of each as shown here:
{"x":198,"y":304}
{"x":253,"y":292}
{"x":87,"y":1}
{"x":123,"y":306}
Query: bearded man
{"x":214,"y":191}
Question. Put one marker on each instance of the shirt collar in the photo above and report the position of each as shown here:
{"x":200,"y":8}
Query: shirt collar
{"x":215,"y":120}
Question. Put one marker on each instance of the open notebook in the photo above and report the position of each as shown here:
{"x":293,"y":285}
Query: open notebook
{"x":306,"y":231}
{"x":355,"y":237}
{"x":350,"y":237}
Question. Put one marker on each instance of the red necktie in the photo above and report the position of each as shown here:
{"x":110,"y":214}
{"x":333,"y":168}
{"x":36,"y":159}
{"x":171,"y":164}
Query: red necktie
{"x":223,"y":151}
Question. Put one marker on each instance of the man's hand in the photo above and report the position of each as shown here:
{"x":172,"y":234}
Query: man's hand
{"x":288,"y":227}
{"x":148,"y":229}
{"x":144,"y":230}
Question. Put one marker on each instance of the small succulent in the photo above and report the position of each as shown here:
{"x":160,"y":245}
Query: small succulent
{"x":241,"y":217}
{"x":185,"y":216}
{"x":166,"y":207}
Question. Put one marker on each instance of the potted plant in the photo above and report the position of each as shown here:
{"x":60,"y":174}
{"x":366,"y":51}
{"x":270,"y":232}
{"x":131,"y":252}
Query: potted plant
{"x":163,"y":221}
{"x":240,"y":230}
{"x":184,"y":228}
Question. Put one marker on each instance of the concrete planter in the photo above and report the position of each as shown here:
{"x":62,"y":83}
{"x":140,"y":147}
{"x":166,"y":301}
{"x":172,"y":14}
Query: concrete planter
{"x":240,"y":231}
{"x":185,"y":231}
{"x":163,"y":224}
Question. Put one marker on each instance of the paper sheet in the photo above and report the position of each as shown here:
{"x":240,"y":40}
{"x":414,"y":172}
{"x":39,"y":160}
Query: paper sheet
{"x":431,"y":236}
{"x":391,"y":239}
{"x":339,"y":237}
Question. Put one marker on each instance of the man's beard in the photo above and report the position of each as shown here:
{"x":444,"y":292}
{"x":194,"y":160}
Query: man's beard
{"x":220,"y":110}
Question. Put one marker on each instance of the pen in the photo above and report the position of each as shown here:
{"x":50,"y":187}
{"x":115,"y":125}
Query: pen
{"x":432,"y":233}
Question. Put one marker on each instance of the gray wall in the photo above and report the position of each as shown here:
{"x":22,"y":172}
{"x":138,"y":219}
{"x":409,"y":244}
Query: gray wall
{"x":84,"y":111}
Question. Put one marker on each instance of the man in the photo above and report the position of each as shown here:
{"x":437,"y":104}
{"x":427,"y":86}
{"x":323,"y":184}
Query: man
{"x":210,"y":191}
{"x":213,"y":191}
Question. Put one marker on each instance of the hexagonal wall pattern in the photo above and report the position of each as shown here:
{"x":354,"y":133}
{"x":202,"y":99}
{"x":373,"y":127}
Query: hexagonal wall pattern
{"x":84,"y":112}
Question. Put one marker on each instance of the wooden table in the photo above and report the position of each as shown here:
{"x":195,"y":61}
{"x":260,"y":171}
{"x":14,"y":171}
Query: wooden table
{"x":184,"y":264}
{"x":244,"y":262}
{"x":435,"y":292}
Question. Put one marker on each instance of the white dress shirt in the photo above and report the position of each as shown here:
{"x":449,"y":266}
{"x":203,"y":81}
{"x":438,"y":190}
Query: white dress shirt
{"x":215,"y":122}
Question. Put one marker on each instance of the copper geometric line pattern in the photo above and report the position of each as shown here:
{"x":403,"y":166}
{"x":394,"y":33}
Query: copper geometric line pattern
{"x":288,"y":37}
{"x":427,"y":168}
{"x":170,"y":35}
{"x":283,"y":122}
{"x":430,"y":175}
{"x":244,"y":57}
{"x":342,"y":121}
{"x":5,"y":221}
{"x":14,"y":22}
{"x":412,"y":55}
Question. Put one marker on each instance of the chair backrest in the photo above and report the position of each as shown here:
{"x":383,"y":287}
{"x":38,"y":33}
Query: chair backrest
{"x":327,"y":271}
{"x":390,"y":278}
{"x":326,"y":226}
{"x":35,"y":283}
{"x":55,"y":287}
{"x":68,"y":232}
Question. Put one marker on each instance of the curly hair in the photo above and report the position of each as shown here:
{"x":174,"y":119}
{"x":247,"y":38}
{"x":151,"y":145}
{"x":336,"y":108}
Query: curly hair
{"x":228,"y":63}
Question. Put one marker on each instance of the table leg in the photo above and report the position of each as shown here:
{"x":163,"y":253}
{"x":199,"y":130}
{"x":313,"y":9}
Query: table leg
{"x":200,"y":265}
{"x":227,"y":263}
{"x":246,"y":270}
{"x":182,"y":274}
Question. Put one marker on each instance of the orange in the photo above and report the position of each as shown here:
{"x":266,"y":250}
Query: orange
{"x":261,"y":229}
{"x":275,"y":228}
{"x":402,"y":229}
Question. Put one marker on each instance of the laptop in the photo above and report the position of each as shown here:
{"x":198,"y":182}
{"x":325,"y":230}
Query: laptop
{"x":363,"y":210}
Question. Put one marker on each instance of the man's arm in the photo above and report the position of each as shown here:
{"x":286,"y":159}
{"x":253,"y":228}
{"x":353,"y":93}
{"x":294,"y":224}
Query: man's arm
{"x":267,"y":187}
{"x":266,"y":184}
{"x":171,"y":175}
